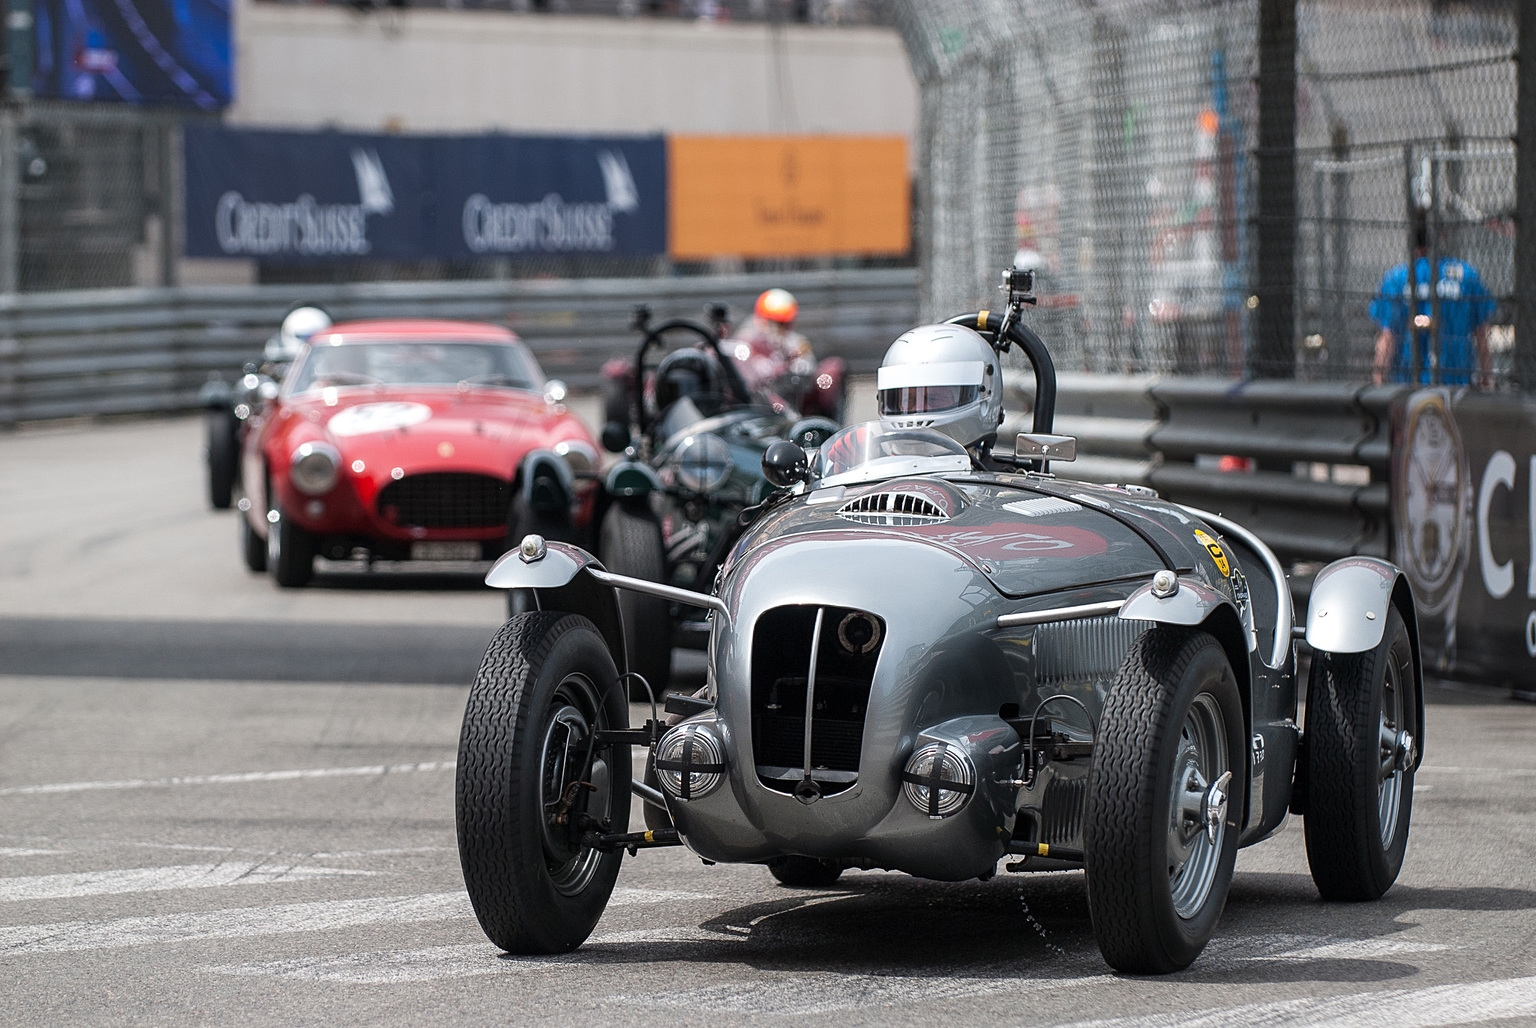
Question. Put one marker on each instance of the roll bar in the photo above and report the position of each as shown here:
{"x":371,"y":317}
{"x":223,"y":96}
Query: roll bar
{"x":1006,"y":330}
{"x":711,"y":338}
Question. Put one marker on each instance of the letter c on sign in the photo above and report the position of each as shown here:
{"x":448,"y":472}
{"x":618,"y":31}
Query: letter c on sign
{"x":1498,"y":579}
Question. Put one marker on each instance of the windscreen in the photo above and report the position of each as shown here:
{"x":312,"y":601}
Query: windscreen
{"x":417,"y":363}
{"x":873,"y":447}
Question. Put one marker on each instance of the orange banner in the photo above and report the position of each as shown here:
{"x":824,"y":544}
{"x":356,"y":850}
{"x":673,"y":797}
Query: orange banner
{"x":787,"y":196}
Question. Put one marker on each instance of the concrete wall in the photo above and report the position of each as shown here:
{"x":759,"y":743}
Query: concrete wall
{"x":471,"y":71}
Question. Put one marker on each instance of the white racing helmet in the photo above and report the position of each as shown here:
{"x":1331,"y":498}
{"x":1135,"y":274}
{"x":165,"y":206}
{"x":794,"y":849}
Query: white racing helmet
{"x":298,"y":325}
{"x":944,"y":377}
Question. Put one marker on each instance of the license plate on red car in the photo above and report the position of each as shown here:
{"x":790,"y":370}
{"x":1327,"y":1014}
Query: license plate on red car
{"x":433,"y":550}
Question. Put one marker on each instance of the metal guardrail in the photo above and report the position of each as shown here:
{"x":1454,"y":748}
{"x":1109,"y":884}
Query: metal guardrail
{"x":1314,"y":486}
{"x":150,"y":350}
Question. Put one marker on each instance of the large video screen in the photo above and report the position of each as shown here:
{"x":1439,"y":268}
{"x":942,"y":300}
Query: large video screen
{"x":172,"y":52}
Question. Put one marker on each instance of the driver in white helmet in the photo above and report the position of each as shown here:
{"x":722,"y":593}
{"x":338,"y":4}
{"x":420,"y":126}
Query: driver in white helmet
{"x":947,"y":378}
{"x":284,"y":345}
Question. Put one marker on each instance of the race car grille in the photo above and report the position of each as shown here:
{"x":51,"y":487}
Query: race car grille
{"x":829,"y":680}
{"x":892,"y":508}
{"x":445,"y":499}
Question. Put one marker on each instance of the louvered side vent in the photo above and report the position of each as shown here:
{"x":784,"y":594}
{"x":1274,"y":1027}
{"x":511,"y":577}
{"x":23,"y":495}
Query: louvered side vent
{"x":1086,"y":651}
{"x":892,"y":508}
{"x":1062,"y":816}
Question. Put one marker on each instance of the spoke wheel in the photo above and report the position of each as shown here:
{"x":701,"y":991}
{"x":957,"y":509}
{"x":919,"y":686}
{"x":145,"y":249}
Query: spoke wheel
{"x":1360,"y":753}
{"x":1160,"y":837}
{"x":527,"y":796}
{"x":1194,"y":828}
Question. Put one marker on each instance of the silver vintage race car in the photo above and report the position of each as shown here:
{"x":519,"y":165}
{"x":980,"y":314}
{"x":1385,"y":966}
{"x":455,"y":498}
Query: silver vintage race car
{"x":929,"y":657}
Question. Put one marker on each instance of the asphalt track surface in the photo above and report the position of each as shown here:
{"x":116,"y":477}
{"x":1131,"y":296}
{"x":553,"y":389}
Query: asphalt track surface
{"x":224,"y":803}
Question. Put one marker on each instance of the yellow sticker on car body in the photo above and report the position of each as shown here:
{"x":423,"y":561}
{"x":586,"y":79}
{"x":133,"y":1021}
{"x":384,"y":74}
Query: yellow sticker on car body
{"x":1217,"y":553}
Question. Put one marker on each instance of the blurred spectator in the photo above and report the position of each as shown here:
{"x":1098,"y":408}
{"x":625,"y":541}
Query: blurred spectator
{"x":1462,"y":331}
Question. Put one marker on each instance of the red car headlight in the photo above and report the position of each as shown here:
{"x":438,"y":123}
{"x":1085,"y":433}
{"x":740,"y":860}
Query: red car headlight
{"x":313,"y":468}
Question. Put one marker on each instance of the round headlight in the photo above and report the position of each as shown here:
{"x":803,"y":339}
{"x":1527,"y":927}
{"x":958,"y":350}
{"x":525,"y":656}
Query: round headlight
{"x":313,"y":468}
{"x":690,"y":762}
{"x":938,"y":779}
{"x":702,"y":463}
{"x":578,"y":456}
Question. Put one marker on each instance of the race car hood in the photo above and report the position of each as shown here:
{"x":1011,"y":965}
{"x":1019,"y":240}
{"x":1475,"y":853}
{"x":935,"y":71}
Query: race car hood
{"x":1025,"y":542}
{"x":486,"y":431}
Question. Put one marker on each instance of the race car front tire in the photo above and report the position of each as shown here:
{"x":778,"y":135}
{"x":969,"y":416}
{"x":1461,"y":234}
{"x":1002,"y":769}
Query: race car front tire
{"x":630,"y":544}
{"x":253,"y":548}
{"x":1359,"y":799}
{"x":290,"y":551}
{"x":1160,"y":840}
{"x":547,"y":681}
{"x":223,"y":453}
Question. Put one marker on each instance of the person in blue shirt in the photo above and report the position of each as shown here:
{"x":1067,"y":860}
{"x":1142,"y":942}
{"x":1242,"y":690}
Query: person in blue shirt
{"x":1465,"y":308}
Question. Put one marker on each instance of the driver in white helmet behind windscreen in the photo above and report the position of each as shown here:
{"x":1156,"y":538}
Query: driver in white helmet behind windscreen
{"x":946,"y":378}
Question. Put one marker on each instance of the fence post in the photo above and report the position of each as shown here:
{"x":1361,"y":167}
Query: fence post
{"x":168,"y":139}
{"x":1525,"y":202}
{"x":1274,"y":327}
{"x":10,"y":202}
{"x":1337,"y":332}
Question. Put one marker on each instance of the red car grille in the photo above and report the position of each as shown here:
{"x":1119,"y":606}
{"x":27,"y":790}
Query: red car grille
{"x":445,"y":499}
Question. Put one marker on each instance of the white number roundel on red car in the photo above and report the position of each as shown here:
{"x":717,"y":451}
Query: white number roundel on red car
{"x":378,"y":417}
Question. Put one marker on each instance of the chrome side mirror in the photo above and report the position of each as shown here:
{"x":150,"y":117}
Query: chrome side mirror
{"x":1045,"y":447}
{"x":554,"y":391}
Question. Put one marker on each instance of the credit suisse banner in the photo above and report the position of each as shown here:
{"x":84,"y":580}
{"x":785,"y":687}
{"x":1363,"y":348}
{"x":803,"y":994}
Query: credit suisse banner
{"x":788,"y":196}
{"x":302,"y":196}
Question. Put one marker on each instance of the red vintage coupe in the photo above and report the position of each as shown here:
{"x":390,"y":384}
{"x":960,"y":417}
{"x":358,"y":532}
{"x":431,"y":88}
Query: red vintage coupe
{"x":411,"y":440}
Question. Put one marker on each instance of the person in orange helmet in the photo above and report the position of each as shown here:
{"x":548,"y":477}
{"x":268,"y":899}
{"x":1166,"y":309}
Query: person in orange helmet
{"x":775,"y":359}
{"x":771,"y":331}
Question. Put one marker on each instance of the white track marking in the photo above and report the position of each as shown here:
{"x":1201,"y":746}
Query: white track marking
{"x":69,"y":936}
{"x":1466,"y":1003}
{"x":121,"y":881}
{"x":463,"y":961}
{"x":237,"y":778}
{"x":798,"y":994}
{"x":807,"y":993}
{"x":1492,"y":772}
{"x":626,"y":897}
{"x":18,"y":851}
{"x":418,"y":965}
{"x":242,"y":922}
{"x":1311,"y":947}
{"x":399,"y":851}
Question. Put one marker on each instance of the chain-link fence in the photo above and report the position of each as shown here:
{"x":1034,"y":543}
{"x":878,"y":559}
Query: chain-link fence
{"x":1113,"y":146}
{"x":92,"y":192}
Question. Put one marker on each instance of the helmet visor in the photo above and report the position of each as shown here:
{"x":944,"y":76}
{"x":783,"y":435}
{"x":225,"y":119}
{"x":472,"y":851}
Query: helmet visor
{"x":926,"y":399}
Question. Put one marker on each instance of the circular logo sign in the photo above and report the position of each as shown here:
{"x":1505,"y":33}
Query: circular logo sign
{"x":369,"y":418}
